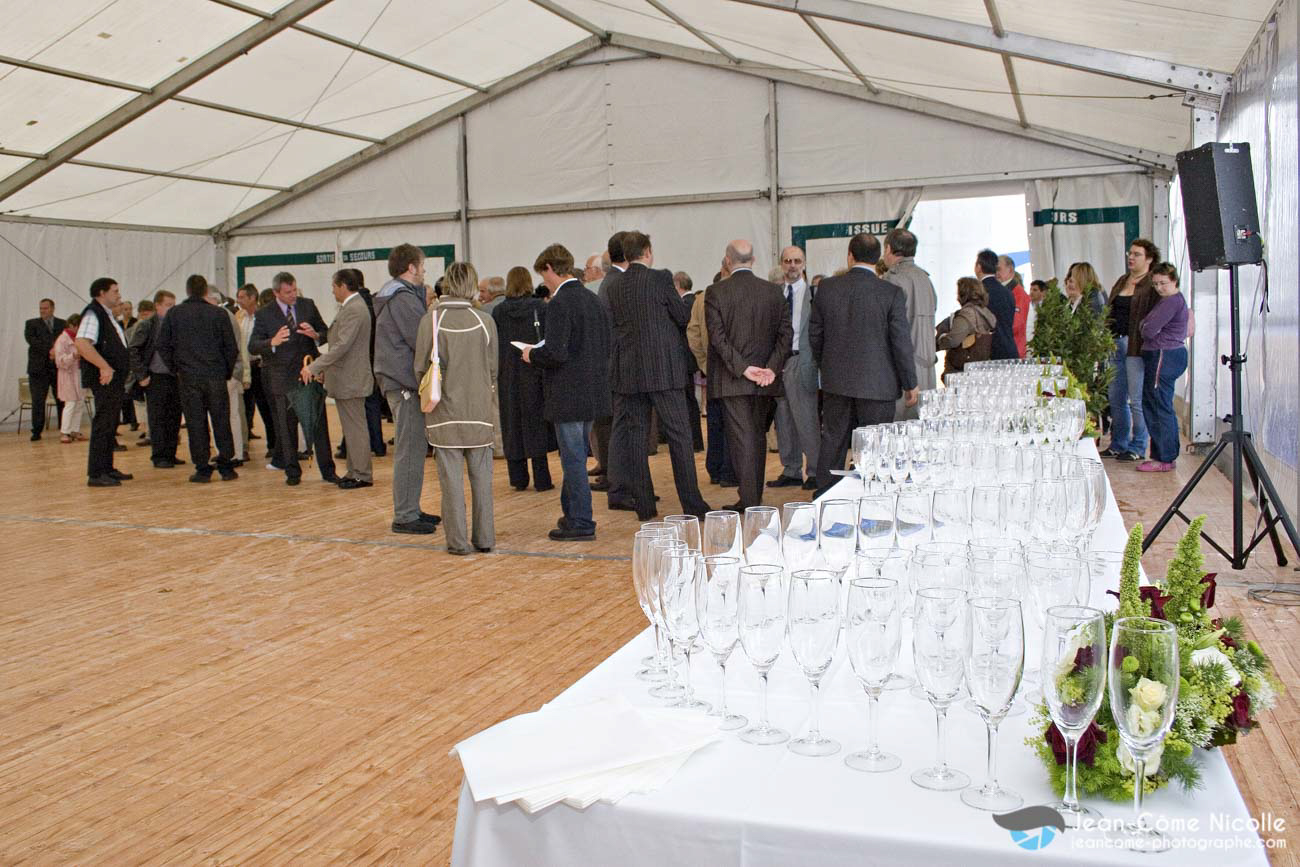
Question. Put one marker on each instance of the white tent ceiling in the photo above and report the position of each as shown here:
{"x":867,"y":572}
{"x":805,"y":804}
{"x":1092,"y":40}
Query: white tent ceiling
{"x":189,"y":113}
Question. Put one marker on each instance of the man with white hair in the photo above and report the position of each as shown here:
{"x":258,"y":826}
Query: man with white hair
{"x":594,"y":272}
{"x":491,"y":292}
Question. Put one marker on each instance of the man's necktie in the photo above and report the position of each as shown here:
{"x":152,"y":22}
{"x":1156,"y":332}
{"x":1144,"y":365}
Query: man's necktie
{"x":789,"y":301}
{"x":293,"y":323}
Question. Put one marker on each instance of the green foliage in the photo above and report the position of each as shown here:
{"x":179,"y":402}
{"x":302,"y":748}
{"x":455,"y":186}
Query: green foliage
{"x":1183,"y":584}
{"x":1081,"y":340}
{"x":1131,"y":603}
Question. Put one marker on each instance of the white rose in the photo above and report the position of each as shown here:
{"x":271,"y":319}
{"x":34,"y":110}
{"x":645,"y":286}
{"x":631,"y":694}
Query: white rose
{"x":1153,"y":761}
{"x":1212,"y":655}
{"x":1149,"y":694}
{"x":1143,"y":723}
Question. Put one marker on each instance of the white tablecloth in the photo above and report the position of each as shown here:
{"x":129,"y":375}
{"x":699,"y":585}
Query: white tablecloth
{"x":738,"y":804}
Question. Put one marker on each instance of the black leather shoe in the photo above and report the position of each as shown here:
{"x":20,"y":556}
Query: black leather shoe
{"x":379,"y":453}
{"x":177,"y":461}
{"x":121,"y":476}
{"x":483,"y":550}
{"x":293,"y":481}
{"x":541,"y":489}
{"x":625,"y":506}
{"x":596,"y":471}
{"x":349,"y":484}
{"x":36,"y":438}
{"x":430,"y":519}
{"x":304,"y":456}
{"x":332,"y":478}
{"x":810,"y":484}
{"x":520,"y":487}
{"x":415,"y":528}
{"x":735,"y":507}
{"x":600,"y":485}
{"x":784,"y":481}
{"x":567,"y":535}
{"x":164,"y":465}
{"x":102,"y":482}
{"x":201,"y":478}
{"x":229,"y":476}
{"x":119,"y":447}
{"x":253,"y":436}
{"x":238,"y":462}
{"x":729,"y":483}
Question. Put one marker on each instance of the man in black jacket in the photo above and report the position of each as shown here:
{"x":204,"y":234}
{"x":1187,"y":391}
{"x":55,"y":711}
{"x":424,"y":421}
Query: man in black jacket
{"x":42,"y":375}
{"x":162,"y":397}
{"x":284,"y":333}
{"x":1001,"y":304}
{"x":575,"y":382}
{"x":197,"y":342}
{"x":104,"y":365}
{"x":862,"y":343}
{"x":648,"y":370}
{"x":615,"y":265}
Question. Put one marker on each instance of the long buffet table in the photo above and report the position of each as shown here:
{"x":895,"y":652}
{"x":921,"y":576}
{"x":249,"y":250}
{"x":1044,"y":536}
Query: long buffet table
{"x":738,"y":804}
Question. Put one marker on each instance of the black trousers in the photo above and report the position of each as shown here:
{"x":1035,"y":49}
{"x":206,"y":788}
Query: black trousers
{"x":693,"y":407}
{"x":103,"y":430}
{"x":746,"y":424}
{"x":256,"y":396}
{"x":162,"y":401}
{"x":518,"y":470}
{"x":41,"y":384}
{"x":627,"y":449}
{"x":600,"y":430}
{"x":201,"y":398}
{"x":717,"y":461}
{"x":286,"y":440}
{"x":840,"y":415}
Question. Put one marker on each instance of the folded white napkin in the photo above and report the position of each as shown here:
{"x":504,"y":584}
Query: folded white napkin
{"x":580,"y":754}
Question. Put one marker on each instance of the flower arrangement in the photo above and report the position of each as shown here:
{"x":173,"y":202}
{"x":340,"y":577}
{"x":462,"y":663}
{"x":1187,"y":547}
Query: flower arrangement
{"x":1083,"y":341}
{"x":1226,"y":681}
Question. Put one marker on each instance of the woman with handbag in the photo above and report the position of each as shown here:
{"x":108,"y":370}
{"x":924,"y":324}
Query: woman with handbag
{"x":525,"y":434}
{"x":967,"y":335}
{"x":456,"y":363}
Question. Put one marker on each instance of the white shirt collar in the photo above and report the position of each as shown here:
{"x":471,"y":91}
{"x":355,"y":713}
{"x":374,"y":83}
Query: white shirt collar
{"x":742,"y":268}
{"x":616,"y":268}
{"x":870,"y":268}
{"x":557,"y":289}
{"x":351,"y":295}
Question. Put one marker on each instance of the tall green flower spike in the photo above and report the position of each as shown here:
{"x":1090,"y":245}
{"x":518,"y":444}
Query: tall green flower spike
{"x":1131,"y":603}
{"x":1183,"y":582}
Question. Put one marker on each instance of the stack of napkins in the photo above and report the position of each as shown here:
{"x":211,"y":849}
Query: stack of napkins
{"x":580,"y":754}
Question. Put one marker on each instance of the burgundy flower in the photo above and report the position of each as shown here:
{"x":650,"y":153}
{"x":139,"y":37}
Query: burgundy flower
{"x":1240,"y":716}
{"x":1207,"y":597}
{"x":1083,"y":658}
{"x":1225,"y":639}
{"x":1092,"y":735}
{"x":1152,"y":594}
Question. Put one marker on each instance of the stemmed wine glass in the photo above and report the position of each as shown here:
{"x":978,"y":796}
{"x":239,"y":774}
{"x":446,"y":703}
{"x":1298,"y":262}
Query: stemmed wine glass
{"x":837,"y":538}
{"x":873,"y":631}
{"x":939,"y":626}
{"x":658,"y":561}
{"x":1053,"y":580}
{"x":912,"y":516}
{"x":1144,"y":679}
{"x":985,"y":511}
{"x":721,"y":534}
{"x":876,"y":521}
{"x":643,"y":582}
{"x":761,"y":613}
{"x":893,"y":564}
{"x":995,"y":659}
{"x":799,"y":536}
{"x":762,"y":535}
{"x":1018,"y":510}
{"x":716,"y":594}
{"x":951,"y":512}
{"x":688,"y":529}
{"x":813,"y":629}
{"x":677,"y":600}
{"x":1074,"y":647}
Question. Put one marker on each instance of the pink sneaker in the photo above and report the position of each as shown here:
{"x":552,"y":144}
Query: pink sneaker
{"x":1154,"y":467}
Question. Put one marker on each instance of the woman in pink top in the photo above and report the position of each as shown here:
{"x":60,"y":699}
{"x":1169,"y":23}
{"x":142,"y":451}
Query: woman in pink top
{"x":68,"y":361}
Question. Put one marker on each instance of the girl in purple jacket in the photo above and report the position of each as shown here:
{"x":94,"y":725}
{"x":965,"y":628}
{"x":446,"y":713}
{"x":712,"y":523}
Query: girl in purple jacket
{"x":1164,"y":356}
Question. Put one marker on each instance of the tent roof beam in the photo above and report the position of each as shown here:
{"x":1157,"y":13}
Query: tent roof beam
{"x":835,"y":49}
{"x":114,"y":167}
{"x":573,"y":18}
{"x":693,"y":30}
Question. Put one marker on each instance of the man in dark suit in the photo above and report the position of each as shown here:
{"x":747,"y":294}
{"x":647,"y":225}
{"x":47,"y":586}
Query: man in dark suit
{"x":648,"y":370}
{"x":284,"y":333}
{"x":575,"y":382}
{"x":683,"y":283}
{"x":861,"y":340}
{"x":600,"y":429}
{"x":1001,"y":304}
{"x":104,"y":365}
{"x":40,"y":334}
{"x":750,"y":338}
{"x":198,"y":343}
{"x":162,"y":397}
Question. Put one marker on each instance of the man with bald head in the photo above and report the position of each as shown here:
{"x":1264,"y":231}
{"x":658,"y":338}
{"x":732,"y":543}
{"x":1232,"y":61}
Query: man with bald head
{"x":750,"y":339}
{"x":798,"y":429}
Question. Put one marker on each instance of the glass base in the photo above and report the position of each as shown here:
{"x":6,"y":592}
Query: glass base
{"x":1139,"y":838}
{"x":1074,"y":816}
{"x":650,"y":661}
{"x":1017,"y":707}
{"x":873,"y":763}
{"x":900,"y":681}
{"x":652,"y":675}
{"x":692,"y":703}
{"x":731,"y":721}
{"x":667,"y":690}
{"x":940,"y":779}
{"x":993,"y":799}
{"x":764,"y":735}
{"x":814,"y":745}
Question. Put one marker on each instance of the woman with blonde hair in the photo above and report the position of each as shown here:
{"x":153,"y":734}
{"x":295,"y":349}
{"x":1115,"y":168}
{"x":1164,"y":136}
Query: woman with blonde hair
{"x":1081,"y":284}
{"x":967,"y":335}
{"x":462,"y":426}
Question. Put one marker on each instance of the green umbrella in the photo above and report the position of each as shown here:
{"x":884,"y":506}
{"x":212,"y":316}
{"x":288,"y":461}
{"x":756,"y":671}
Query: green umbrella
{"x":307,"y":400}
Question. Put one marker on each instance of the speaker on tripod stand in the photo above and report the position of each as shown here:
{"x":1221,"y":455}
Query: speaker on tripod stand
{"x":1222,"y":222}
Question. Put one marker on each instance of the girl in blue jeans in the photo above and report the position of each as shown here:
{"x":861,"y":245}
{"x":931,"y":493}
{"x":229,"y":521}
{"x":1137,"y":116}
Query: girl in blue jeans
{"x":1164,"y":358}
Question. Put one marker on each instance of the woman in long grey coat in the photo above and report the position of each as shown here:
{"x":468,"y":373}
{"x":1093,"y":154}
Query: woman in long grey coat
{"x":462,"y":426}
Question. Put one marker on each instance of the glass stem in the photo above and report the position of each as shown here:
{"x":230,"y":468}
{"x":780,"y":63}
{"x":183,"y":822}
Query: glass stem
{"x":672,"y":663}
{"x":686,"y":682}
{"x":763,"y":722}
{"x":992,"y":784}
{"x":659,"y":647}
{"x":873,"y":743}
{"x":722,"y":709}
{"x":940,"y":715}
{"x":814,"y":730}
{"x":1071,"y":771}
{"x":1139,"y":789}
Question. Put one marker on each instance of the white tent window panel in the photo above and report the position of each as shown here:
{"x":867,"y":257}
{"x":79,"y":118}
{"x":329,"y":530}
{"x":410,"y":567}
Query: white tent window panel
{"x":300,"y":66}
{"x":137,"y":41}
{"x":767,"y":36}
{"x":39,"y":111}
{"x":634,"y":16}
{"x":827,"y":139}
{"x":474,"y":40}
{"x":965,"y":77}
{"x":1206,"y":33}
{"x":417,"y":178}
{"x":1156,"y":124}
{"x":203,"y":141}
{"x":73,"y":192}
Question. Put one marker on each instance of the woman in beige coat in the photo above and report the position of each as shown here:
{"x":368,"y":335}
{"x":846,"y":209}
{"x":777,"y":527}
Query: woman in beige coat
{"x":461,"y":427}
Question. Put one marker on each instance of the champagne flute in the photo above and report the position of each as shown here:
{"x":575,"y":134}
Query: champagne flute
{"x":761,"y":614}
{"x":813,"y":629}
{"x":1144,"y":677}
{"x":799,"y":536}
{"x":893,"y":564}
{"x":656,"y":661}
{"x":688,"y":529}
{"x":721,"y":535}
{"x":762,"y":535}
{"x":1074,"y":648}
{"x":659,"y":549}
{"x":642,"y":581}
{"x":939,"y":626}
{"x":716,"y":604}
{"x":995,"y":659}
{"x":1053,"y":580}
{"x":873,"y":631}
{"x":837,"y":539}
{"x":677,"y":599}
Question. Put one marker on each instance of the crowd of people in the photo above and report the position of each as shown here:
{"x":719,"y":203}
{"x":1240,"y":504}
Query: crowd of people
{"x":601,"y":362}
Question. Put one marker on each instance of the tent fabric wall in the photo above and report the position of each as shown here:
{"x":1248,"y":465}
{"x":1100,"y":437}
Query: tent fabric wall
{"x":40,"y":260}
{"x":1073,"y":232}
{"x":1262,"y":109}
{"x":841,"y":215}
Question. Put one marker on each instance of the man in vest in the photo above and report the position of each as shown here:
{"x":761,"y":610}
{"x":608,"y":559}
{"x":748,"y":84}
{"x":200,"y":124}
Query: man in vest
{"x":104,"y":366}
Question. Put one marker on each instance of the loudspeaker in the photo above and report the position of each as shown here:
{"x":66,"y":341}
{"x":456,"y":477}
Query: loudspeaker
{"x":1219,"y":206}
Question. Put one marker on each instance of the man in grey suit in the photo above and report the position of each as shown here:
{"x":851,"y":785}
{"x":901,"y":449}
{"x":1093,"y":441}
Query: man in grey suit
{"x":899,"y":255}
{"x":347,"y":374}
{"x":798,"y":429}
{"x":859,"y":337}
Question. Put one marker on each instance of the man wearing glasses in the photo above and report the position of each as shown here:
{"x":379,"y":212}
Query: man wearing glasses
{"x":798,"y":429}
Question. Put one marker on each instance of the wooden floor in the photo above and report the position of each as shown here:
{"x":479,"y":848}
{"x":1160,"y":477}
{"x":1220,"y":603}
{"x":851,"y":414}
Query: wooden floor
{"x":245,"y":673}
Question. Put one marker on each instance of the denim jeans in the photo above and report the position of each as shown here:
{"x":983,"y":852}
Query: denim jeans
{"x":575,"y":491}
{"x":1128,"y":432}
{"x":1162,"y":368}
